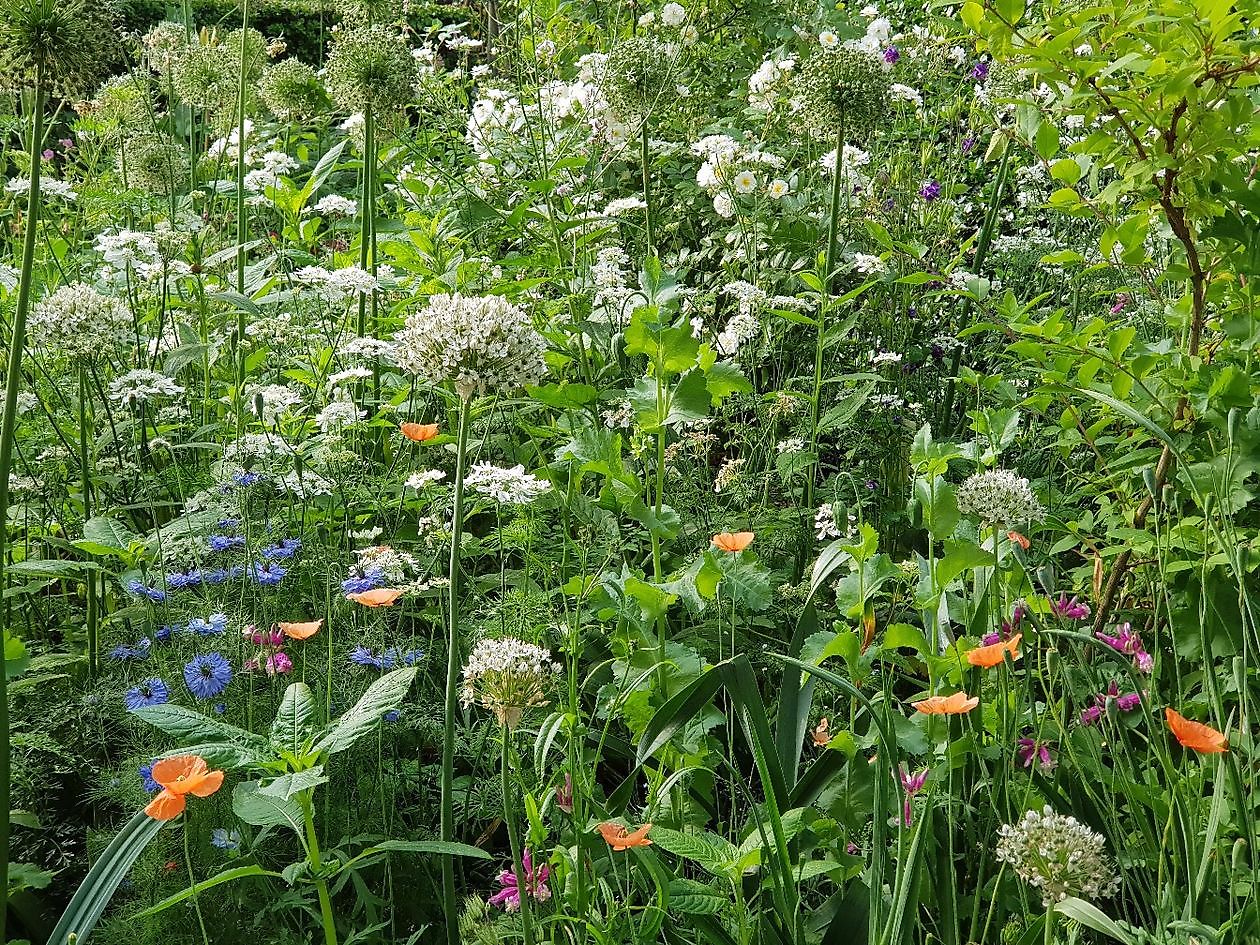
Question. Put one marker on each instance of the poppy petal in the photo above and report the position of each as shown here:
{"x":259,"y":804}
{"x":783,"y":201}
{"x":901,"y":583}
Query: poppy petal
{"x":166,"y":806}
{"x":1195,"y":735}
{"x":173,"y":773}
{"x":377,"y":597}
{"x":301,"y":631}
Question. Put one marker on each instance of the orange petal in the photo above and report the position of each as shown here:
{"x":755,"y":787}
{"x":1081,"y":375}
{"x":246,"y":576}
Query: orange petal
{"x":956,"y":704}
{"x":301,"y":631}
{"x":206,"y":785}
{"x":1019,"y":539}
{"x":995,"y":653}
{"x":733,"y":541}
{"x":174,"y":773}
{"x":1195,"y":735}
{"x":166,"y":806}
{"x":378,"y":597}
{"x":419,"y":432}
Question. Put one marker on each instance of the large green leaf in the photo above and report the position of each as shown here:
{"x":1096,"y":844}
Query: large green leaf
{"x":188,"y":725}
{"x":266,"y":810}
{"x":227,"y":876}
{"x":292,"y":725}
{"x":98,"y":887}
{"x":288,"y":785}
{"x":713,"y":854}
{"x":384,"y":695}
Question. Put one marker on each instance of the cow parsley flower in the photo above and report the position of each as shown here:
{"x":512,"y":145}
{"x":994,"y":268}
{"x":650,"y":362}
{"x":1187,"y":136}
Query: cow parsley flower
{"x":511,"y":486}
{"x":478,"y":344}
{"x":508,"y":676}
{"x":999,"y":497}
{"x":140,"y":385}
{"x":1058,"y":856}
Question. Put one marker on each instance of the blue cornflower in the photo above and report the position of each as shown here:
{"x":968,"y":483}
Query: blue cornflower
{"x":225,"y":839}
{"x":138,"y":587}
{"x":164,"y":634}
{"x":140,"y":651}
{"x":365,"y":657}
{"x":213,"y":626}
{"x":226,"y":542}
{"x":151,"y":691}
{"x":180,"y":580}
{"x":367,"y":580}
{"x":285,"y":549}
{"x":246,"y":478}
{"x":146,"y":777}
{"x":207,"y":675}
{"x":266,"y":573}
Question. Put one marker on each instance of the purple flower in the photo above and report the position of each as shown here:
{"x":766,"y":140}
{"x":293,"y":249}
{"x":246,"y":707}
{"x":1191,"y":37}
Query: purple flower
{"x":140,"y":651}
{"x":564,"y":794}
{"x":226,"y":542}
{"x":891,"y":55}
{"x":930,"y":191}
{"x":139,"y":588}
{"x":980,"y":71}
{"x":1127,"y":642}
{"x":535,"y":884}
{"x":181,"y":580}
{"x":207,"y":675}
{"x":266,"y":573}
{"x":1033,"y":752}
{"x":285,"y":549}
{"x":362,"y":581}
{"x":968,"y":143}
{"x":152,"y":691}
{"x":1124,"y":703}
{"x":912,"y":784}
{"x":48,"y":154}
{"x":1122,"y":302}
{"x":146,"y":777}
{"x":1069,"y":609}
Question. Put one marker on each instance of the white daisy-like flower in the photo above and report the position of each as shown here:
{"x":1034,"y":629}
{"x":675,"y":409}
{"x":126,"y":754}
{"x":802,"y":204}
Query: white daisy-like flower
{"x":778,"y":188}
{"x":828,"y":39}
{"x":745,"y":182}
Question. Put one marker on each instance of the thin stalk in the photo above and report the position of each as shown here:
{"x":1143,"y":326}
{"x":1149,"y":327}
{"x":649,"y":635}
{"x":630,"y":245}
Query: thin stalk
{"x":648,"y":221}
{"x":240,"y":209}
{"x":514,"y":841}
{"x":192,"y":881}
{"x":367,"y":252}
{"x":85,"y":474}
{"x":447,"y":825}
{"x":8,"y":426}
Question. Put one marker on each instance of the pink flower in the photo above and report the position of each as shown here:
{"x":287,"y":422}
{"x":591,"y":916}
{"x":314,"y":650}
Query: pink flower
{"x":1034,"y":752}
{"x":1128,"y":643}
{"x":509,"y":897}
{"x":1009,"y":627}
{"x":912,"y":784}
{"x":1122,"y":302}
{"x":278,"y":664}
{"x":48,"y":154}
{"x":1069,"y":609}
{"x":67,"y":144}
{"x":1125,"y":703}
{"x":564,"y":794}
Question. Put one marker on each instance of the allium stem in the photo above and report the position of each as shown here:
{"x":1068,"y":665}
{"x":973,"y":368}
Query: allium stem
{"x":644,"y":157}
{"x":85,"y":474}
{"x":8,"y":426}
{"x":514,"y":842}
{"x":449,"y":903}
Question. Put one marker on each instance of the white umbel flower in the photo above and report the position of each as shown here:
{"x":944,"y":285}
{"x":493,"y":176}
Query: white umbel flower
{"x":1058,"y":856}
{"x":478,"y":344}
{"x":511,"y":486}
{"x":78,"y":321}
{"x":140,"y":386}
{"x":999,"y":497}
{"x":508,"y":676}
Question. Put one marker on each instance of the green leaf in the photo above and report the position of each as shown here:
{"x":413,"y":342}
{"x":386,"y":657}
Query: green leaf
{"x":1094,"y":918}
{"x":251,"y":805}
{"x":288,"y":785}
{"x":443,"y":847}
{"x":227,"y":876}
{"x":190,"y":726}
{"x":744,"y":581}
{"x":384,"y":695}
{"x":689,"y":897}
{"x":98,"y":887}
{"x":16,"y":658}
{"x":28,"y":876}
{"x":710,"y":852}
{"x":109,"y":533}
{"x":292,"y":725}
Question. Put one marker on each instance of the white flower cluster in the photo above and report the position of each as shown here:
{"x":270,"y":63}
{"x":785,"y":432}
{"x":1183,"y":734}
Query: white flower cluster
{"x":398,"y":567}
{"x":610,"y":276}
{"x":78,"y":321}
{"x":128,"y":251}
{"x":999,"y":497}
{"x":854,"y":179}
{"x":508,"y":676}
{"x":141,"y":385}
{"x":335,"y":205}
{"x":423,"y":479}
{"x":770,"y":83}
{"x":512,"y":486}
{"x":730,"y":170}
{"x":48,"y":187}
{"x":338,"y":415}
{"x":479,"y":344}
{"x":337,"y":285}
{"x":272,"y":166}
{"x":1059,"y":856}
{"x":271,"y":401}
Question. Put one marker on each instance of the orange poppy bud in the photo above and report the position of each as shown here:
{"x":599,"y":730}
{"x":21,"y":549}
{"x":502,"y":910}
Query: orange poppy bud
{"x":822,"y":733}
{"x":377,"y":597}
{"x":958,"y":703}
{"x":734,"y":542}
{"x":1195,"y":735}
{"x":419,"y":432}
{"x":995,"y":653}
{"x":1019,"y":539}
{"x":301,"y":631}
{"x":619,"y":838}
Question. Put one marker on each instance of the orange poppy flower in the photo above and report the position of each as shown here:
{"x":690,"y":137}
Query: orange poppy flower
{"x":420,"y":432}
{"x":822,"y":733}
{"x":956,"y":704}
{"x":734,"y":542}
{"x":179,"y":777}
{"x":377,"y":597}
{"x":1195,"y":735}
{"x":619,"y":838}
{"x":301,"y":631}
{"x":1019,"y":539}
{"x":995,"y":653}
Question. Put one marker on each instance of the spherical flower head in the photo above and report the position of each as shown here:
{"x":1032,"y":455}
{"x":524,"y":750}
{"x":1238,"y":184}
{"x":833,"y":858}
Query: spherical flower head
{"x":79,"y":322}
{"x":123,"y":104}
{"x":67,"y":44}
{"x":478,"y":344}
{"x":370,"y":68}
{"x":508,"y":676}
{"x":1058,"y":856}
{"x":155,"y":164}
{"x":637,"y":77}
{"x":291,"y":90}
{"x":204,"y":74}
{"x":845,"y":88}
{"x":163,"y":44}
{"x":999,"y":497}
{"x":207,"y":675}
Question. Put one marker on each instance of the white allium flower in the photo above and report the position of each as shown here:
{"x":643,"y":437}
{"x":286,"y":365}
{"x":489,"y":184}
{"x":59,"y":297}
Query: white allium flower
{"x":369,"y":349}
{"x":351,"y":375}
{"x":78,"y":321}
{"x":337,"y":285}
{"x":397,"y":566}
{"x":868,"y":265}
{"x":305,"y":485}
{"x":478,"y":344}
{"x":622,"y":205}
{"x":723,"y":206}
{"x":673,"y":14}
{"x":793,"y":444}
{"x":425,"y":478}
{"x":1058,"y":856}
{"x":338,"y":415}
{"x":127,"y":250}
{"x":513,"y":486}
{"x":140,"y":386}
{"x":885,"y":357}
{"x":999,"y":497}
{"x":336,"y":205}
{"x":508,"y":676}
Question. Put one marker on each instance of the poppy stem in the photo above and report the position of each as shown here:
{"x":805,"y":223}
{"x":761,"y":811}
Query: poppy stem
{"x":192,"y":882}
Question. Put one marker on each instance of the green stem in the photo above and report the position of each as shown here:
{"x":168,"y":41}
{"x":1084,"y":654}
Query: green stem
{"x":648,"y":222}
{"x":85,"y":475}
{"x":367,"y":254}
{"x":514,"y":842}
{"x":8,"y":426}
{"x":192,"y":882}
{"x":321,"y":887}
{"x":450,"y":906}
{"x":240,"y":211}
